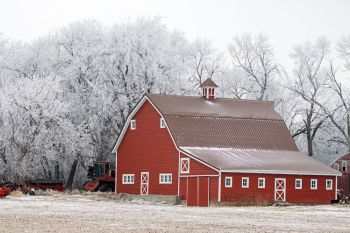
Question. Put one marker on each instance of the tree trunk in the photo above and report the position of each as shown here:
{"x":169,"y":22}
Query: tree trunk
{"x":71,"y":175}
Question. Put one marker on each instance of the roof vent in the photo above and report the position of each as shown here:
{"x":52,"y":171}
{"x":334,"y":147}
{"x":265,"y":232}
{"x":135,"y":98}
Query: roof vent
{"x":208,"y":89}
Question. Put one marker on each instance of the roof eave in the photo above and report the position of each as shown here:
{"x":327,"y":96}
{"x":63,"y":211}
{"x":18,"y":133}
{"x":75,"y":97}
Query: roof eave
{"x":281,"y":172}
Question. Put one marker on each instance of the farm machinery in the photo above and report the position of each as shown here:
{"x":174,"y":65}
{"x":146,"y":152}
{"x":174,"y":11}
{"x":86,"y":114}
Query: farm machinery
{"x":30,"y":186}
{"x":101,"y":177}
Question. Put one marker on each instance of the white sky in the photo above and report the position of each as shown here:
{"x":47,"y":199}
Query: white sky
{"x":286,"y":22}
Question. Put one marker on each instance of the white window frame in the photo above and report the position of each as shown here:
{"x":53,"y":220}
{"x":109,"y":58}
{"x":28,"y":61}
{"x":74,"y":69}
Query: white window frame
{"x":336,"y":166}
{"x":344,"y":163}
{"x":188,"y":167}
{"x":128,"y":181}
{"x":163,"y":175}
{"x":262,"y":186}
{"x":245,"y":178}
{"x":133,"y":124}
{"x":162,"y":123}
{"x":329,"y":188}
{"x":301,"y":184}
{"x":230,"y":179}
{"x":313,"y":188}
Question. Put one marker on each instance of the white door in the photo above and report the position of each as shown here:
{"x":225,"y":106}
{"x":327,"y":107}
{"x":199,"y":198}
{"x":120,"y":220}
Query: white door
{"x":280,"y":189}
{"x":144,"y":183}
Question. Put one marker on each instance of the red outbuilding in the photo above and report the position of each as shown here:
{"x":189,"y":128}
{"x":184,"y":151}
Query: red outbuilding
{"x":342,"y":164}
{"x":209,"y":149}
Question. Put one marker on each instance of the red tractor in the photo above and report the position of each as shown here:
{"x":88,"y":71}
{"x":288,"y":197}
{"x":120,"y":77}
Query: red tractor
{"x":101,"y":177}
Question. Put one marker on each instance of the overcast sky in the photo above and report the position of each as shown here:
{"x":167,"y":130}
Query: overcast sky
{"x":286,"y":22}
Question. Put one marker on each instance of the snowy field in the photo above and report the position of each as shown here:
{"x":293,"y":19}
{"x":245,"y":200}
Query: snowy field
{"x":80,"y":213}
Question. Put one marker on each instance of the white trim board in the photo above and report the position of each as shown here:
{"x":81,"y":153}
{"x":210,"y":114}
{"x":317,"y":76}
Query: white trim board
{"x":184,"y":176}
{"x":279,"y":172}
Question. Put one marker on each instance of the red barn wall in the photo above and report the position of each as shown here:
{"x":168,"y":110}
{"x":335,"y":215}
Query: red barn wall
{"x":148,"y":148}
{"x":198,"y":168}
{"x":255,"y":194}
{"x":213,"y":188}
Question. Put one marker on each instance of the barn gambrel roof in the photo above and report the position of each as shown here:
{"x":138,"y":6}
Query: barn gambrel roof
{"x":223,"y":123}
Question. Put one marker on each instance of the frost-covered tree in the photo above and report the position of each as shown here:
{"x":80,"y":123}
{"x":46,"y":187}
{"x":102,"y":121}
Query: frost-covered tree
{"x":204,"y":61}
{"x":309,"y":60}
{"x":254,"y":56}
{"x":67,"y":95}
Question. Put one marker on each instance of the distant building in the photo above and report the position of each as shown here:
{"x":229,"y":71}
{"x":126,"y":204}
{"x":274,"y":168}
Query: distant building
{"x":209,"y":149}
{"x":342,"y":164}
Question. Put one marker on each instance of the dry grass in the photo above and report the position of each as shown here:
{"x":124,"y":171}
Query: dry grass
{"x":17,"y":193}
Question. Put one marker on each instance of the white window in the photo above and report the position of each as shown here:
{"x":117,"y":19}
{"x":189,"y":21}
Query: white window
{"x":185,"y":165}
{"x":329,"y":184}
{"x":128,"y":179}
{"x":336,"y":166}
{"x":261,"y":183}
{"x":133,"y":124}
{"x":162,"y":123}
{"x":228,"y":182}
{"x":298,"y":184}
{"x":245,"y":182}
{"x":313,"y":184}
{"x":344,"y":166}
{"x":165,"y":178}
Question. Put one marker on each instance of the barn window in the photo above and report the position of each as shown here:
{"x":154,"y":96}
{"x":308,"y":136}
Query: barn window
{"x":185,"y":165}
{"x":162,"y":123}
{"x":128,"y":179}
{"x":133,"y":124}
{"x":165,"y":178}
{"x":245,"y":182}
{"x":336,"y":166}
{"x":261,"y":182}
{"x":344,"y":166}
{"x":329,"y":184}
{"x":228,"y":182}
{"x":298,"y":184}
{"x":313,"y":184}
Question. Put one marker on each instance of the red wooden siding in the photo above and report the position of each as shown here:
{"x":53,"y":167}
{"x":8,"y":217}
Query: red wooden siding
{"x":148,"y":148}
{"x":198,"y":191}
{"x":214,"y":188}
{"x":198,"y":168}
{"x":212,"y":183}
{"x":255,"y":194}
{"x":203,"y":188}
{"x":183,"y":188}
{"x":192,"y":194}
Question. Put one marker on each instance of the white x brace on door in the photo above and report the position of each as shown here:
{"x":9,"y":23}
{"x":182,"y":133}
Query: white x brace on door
{"x":144,"y":183}
{"x":280,"y":189}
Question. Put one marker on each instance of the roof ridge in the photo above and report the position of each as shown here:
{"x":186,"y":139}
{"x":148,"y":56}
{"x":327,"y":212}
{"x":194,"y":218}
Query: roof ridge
{"x":217,"y":98}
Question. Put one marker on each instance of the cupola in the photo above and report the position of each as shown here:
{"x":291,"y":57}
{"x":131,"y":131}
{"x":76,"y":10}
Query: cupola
{"x":208,"y":89}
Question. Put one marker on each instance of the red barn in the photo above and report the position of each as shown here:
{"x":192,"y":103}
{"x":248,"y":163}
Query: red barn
{"x":208,"y":149}
{"x":342,"y":164}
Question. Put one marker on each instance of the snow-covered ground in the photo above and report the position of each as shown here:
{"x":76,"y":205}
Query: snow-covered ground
{"x":80,"y":213}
